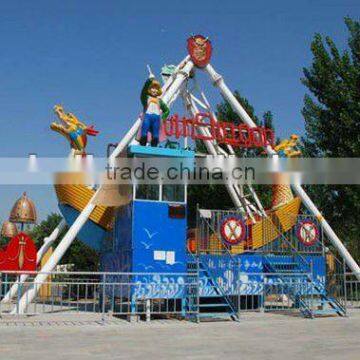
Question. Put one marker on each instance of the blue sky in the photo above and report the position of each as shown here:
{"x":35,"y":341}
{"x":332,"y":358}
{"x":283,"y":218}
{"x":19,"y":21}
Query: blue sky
{"x":91,"y":56}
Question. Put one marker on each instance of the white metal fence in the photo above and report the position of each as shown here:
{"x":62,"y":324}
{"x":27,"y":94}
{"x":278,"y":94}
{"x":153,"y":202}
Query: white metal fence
{"x":158,"y":295}
{"x":123,"y":294}
{"x":352,"y":290}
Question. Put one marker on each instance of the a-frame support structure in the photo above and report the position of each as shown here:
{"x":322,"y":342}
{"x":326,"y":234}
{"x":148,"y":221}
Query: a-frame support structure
{"x":174,"y":87}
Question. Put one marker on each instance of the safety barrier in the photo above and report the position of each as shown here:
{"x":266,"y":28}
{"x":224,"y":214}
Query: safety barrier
{"x":148,"y":296}
{"x":123,"y":294}
{"x":352,"y":290}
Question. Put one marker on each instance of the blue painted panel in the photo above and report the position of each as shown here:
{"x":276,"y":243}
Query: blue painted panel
{"x":91,"y":234}
{"x":159,"y":286}
{"x":319,"y":269}
{"x":119,"y":256}
{"x":318,"y":264}
{"x":222,"y":270}
{"x":300,"y":282}
{"x":149,"y":151}
{"x":156,"y":237}
{"x":246,"y":281}
{"x":243,"y":279}
{"x":141,"y":229}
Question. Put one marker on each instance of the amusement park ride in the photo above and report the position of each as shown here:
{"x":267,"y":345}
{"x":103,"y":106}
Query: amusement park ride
{"x":147,"y":231}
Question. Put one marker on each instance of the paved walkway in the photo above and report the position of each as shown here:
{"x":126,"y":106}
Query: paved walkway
{"x":257,"y":336}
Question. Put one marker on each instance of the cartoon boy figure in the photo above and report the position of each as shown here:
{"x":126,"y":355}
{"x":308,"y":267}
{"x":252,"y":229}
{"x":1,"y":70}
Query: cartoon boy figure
{"x":154,"y":110}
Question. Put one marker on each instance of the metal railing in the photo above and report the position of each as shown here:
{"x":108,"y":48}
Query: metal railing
{"x":352,"y":289}
{"x":211,"y":226}
{"x":271,"y":239}
{"x":133,"y":295}
{"x":122,"y":294}
{"x":158,"y":295}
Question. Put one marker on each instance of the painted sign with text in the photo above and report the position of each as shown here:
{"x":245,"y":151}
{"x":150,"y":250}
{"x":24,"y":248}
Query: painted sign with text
{"x":206,"y":128}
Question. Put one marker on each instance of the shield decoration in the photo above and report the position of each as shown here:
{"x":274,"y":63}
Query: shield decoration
{"x":200,"y":50}
{"x":20,"y":254}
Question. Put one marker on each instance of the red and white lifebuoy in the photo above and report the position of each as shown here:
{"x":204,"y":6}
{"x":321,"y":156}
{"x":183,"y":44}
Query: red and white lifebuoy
{"x":233,"y":230}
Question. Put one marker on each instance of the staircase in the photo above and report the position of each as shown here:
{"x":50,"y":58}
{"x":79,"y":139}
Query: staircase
{"x":210,"y":308}
{"x":292,"y":277}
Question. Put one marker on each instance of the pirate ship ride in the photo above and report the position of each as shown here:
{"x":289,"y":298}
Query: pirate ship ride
{"x":247,"y":251}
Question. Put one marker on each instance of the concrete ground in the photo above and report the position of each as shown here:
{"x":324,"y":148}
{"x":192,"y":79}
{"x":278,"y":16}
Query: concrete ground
{"x":257,"y":336}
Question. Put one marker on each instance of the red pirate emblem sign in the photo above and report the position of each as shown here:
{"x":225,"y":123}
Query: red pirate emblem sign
{"x":233,"y":230}
{"x":307,"y":232}
{"x":20,"y":254}
{"x":200,"y":50}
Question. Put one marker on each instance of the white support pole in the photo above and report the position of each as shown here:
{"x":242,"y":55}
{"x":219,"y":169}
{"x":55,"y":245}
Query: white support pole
{"x":67,"y":240}
{"x":252,"y":208}
{"x":171,"y":79}
{"x":257,"y":200}
{"x":229,"y":147}
{"x":218,"y":81}
{"x":48,"y":241}
{"x":328,"y":230}
{"x":206,"y":105}
{"x":193,"y":110}
{"x":228,"y":95}
{"x":246,"y":204}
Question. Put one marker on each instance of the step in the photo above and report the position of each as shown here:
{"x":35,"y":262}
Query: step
{"x":282,"y":266}
{"x":331,"y":303}
{"x":285,"y":267}
{"x":325,"y":312}
{"x":284,"y":271}
{"x":214,"y":305}
{"x":194,"y":268}
{"x":282,"y":263}
{"x":211,"y":315}
{"x":333,"y":306}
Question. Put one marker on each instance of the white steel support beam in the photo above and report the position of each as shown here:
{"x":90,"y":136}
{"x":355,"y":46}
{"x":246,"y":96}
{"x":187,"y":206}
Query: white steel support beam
{"x":257,"y":200}
{"x":193,"y":110}
{"x":334,"y":239}
{"x":206,"y":106}
{"x":246,"y":203}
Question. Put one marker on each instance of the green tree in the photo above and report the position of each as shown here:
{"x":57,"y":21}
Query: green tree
{"x":3,"y":241}
{"x":82,"y":256}
{"x":268,"y":120}
{"x":332,"y":125}
{"x":45,"y":228}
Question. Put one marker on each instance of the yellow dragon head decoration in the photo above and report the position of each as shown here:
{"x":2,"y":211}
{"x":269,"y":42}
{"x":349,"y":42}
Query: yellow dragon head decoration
{"x":72,"y":129}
